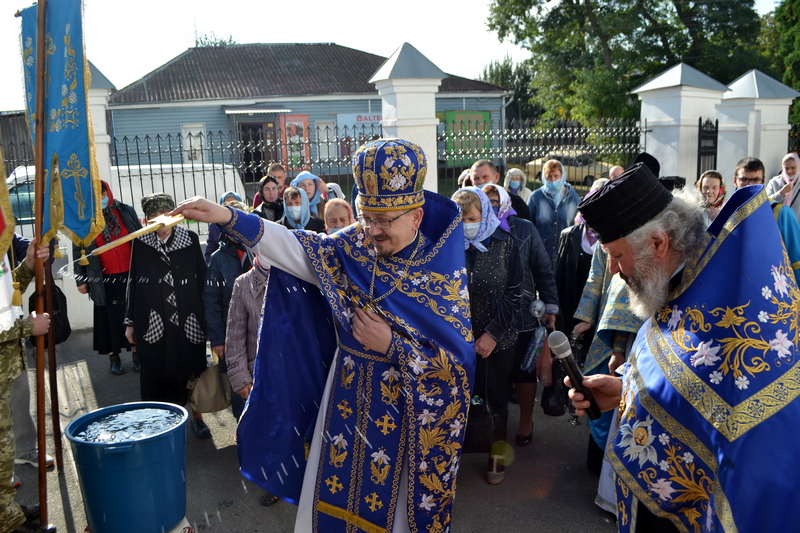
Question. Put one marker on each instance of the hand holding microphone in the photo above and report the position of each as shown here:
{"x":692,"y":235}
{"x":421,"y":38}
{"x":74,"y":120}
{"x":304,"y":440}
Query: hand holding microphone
{"x":559,"y":345}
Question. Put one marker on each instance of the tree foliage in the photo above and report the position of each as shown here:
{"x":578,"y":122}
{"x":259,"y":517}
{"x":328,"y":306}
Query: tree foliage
{"x":212,"y":39}
{"x":517,"y":78}
{"x":587,"y":55}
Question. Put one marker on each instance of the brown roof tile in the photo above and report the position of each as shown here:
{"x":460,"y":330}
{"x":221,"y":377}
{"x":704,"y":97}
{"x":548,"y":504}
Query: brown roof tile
{"x":262,"y":70}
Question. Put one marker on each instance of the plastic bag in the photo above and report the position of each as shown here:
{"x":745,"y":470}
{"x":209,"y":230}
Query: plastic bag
{"x":534,"y":349}
{"x":544,"y":367}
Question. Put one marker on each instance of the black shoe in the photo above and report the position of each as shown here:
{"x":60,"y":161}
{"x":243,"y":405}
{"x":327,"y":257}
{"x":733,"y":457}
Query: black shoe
{"x":31,"y":512}
{"x":200,"y":428}
{"x":137,"y":366}
{"x":116,"y":367}
{"x":49,"y":528}
{"x":268,"y":499}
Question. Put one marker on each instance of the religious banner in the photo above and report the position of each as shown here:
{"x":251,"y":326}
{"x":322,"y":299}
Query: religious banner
{"x":6,"y":215}
{"x":72,"y":182}
{"x":296,"y":154}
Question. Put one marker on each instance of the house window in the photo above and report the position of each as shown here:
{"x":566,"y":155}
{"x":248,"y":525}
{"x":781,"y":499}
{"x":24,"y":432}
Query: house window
{"x":192,"y":136}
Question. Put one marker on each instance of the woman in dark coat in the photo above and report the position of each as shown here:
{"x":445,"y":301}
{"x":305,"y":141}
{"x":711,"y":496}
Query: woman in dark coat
{"x":165,"y":309}
{"x":495,"y":275}
{"x":105,"y":279}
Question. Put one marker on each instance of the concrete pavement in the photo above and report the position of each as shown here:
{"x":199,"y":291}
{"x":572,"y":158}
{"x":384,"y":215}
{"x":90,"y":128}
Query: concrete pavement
{"x":547,"y":487}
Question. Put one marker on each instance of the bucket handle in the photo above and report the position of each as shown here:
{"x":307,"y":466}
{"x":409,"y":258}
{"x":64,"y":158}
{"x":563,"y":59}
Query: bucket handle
{"x":119,"y":449}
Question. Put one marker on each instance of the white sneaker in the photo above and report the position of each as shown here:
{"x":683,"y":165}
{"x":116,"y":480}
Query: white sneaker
{"x":31,"y":457}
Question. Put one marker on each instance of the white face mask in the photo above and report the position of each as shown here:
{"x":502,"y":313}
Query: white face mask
{"x":294,"y":211}
{"x":471,"y":230}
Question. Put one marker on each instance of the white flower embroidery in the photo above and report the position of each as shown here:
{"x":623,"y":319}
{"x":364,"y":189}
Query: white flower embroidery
{"x":397,"y":182}
{"x":456,"y":274}
{"x":664,"y":465}
{"x":763,"y":316}
{"x":781,"y":285}
{"x":456,"y":428}
{"x":391,"y":375}
{"x":706,"y":354}
{"x":637,"y":441}
{"x":406,"y":160}
{"x":427,"y":502}
{"x":742,"y":382}
{"x":454,"y":391}
{"x":663,"y":439}
{"x":715,"y":377}
{"x":439,"y":402}
{"x":348,"y":314}
{"x":418,"y":365}
{"x":675,"y":317}
{"x":663,"y":489}
{"x":416,"y":281}
{"x":427,"y":417}
{"x":781,"y":344}
{"x":766,"y":292}
{"x":402,"y":273}
{"x":348,"y":362}
{"x":425,"y":278}
{"x":423,"y":466}
{"x":688,"y":458}
{"x":464,"y":293}
{"x":454,"y":308}
{"x":380,"y":457}
{"x":339,"y":440}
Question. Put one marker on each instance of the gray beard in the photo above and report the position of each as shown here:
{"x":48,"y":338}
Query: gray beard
{"x":648,"y":287}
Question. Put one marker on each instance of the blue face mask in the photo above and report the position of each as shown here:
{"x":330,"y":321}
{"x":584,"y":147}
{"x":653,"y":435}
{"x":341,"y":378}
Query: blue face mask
{"x":104,"y":202}
{"x":514,"y":185}
{"x":555,"y":186}
{"x":471,"y":230}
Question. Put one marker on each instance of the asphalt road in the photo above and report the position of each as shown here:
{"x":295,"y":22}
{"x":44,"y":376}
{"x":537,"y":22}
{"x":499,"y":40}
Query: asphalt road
{"x":547,"y":488}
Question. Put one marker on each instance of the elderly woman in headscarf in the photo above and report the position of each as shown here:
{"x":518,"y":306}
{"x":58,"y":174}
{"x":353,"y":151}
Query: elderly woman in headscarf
{"x":515,"y":183}
{"x":781,"y":187}
{"x":105,"y":278}
{"x":495,"y":275}
{"x":296,"y":213}
{"x":165,"y":316}
{"x":314,"y":188}
{"x":538,"y":278}
{"x":338,"y":215}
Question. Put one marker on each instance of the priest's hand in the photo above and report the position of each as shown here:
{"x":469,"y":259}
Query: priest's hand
{"x":580,"y":328}
{"x":485,"y":345}
{"x":372,"y":330}
{"x":606,"y":390}
{"x":201,"y":210}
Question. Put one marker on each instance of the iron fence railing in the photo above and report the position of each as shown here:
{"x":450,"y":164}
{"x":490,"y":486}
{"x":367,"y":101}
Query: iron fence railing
{"x":208,"y":164}
{"x":794,"y":138}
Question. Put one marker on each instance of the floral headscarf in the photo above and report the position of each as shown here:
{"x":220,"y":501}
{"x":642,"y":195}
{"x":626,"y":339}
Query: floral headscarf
{"x":505,"y":209}
{"x":314,"y":201}
{"x":489,"y":222}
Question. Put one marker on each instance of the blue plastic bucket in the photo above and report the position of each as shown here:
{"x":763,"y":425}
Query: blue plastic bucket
{"x":132,"y":486}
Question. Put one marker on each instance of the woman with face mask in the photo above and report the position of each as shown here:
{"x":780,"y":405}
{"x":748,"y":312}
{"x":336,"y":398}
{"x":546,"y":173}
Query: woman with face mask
{"x":783,"y":188}
{"x":553,"y":207}
{"x":495,"y":275}
{"x":515,"y":183}
{"x":105,"y":277}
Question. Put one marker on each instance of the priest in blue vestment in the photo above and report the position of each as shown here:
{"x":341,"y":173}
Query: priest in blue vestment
{"x":709,"y":397}
{"x":387,"y":424}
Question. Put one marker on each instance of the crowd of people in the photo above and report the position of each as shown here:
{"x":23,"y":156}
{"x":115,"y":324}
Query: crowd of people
{"x":434,"y":305}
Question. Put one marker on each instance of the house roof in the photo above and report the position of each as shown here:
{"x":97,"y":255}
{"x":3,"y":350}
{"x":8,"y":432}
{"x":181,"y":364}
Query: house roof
{"x":267,"y":70}
{"x":756,"y":84}
{"x":407,"y":62}
{"x":681,"y":74}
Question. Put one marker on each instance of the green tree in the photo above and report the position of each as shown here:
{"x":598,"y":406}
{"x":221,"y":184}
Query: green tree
{"x":517,"y":78}
{"x":212,"y":39}
{"x":787,"y":22}
{"x":587,"y":55}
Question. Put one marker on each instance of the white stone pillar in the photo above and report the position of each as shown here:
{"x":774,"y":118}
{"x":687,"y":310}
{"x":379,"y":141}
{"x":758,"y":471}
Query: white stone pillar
{"x":407,"y":84}
{"x":98,"y":103}
{"x":672,"y":103}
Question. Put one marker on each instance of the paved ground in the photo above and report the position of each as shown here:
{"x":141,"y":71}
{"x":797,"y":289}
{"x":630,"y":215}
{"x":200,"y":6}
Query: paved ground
{"x":547,"y":488}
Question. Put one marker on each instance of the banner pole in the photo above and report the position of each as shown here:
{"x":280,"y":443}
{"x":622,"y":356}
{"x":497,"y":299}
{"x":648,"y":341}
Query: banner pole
{"x":51,"y":366}
{"x":41,"y":64}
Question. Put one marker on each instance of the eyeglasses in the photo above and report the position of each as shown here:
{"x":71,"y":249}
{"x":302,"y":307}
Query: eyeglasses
{"x":380,"y":223}
{"x":750,"y":181}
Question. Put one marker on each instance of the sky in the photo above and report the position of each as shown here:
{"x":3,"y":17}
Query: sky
{"x":127,"y":40}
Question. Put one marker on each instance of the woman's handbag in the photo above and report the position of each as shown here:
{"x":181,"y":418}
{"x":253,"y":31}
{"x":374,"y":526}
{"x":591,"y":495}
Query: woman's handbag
{"x":482,"y":424}
{"x":211,"y":392}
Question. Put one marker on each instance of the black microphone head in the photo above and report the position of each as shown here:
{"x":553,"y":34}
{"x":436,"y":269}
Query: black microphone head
{"x":559,"y":345}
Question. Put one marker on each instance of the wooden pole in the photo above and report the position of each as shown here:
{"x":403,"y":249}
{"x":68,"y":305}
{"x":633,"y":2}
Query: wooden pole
{"x":52,"y":367}
{"x":41,"y":59}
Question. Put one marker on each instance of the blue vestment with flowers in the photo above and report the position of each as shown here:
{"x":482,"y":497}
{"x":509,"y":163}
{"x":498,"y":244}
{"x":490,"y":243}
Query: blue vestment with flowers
{"x":403,"y":411}
{"x":710,"y":410}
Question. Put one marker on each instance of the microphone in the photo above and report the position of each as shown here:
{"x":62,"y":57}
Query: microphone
{"x":559,"y":345}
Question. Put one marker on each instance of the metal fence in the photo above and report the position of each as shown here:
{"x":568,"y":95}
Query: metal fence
{"x":211,"y":163}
